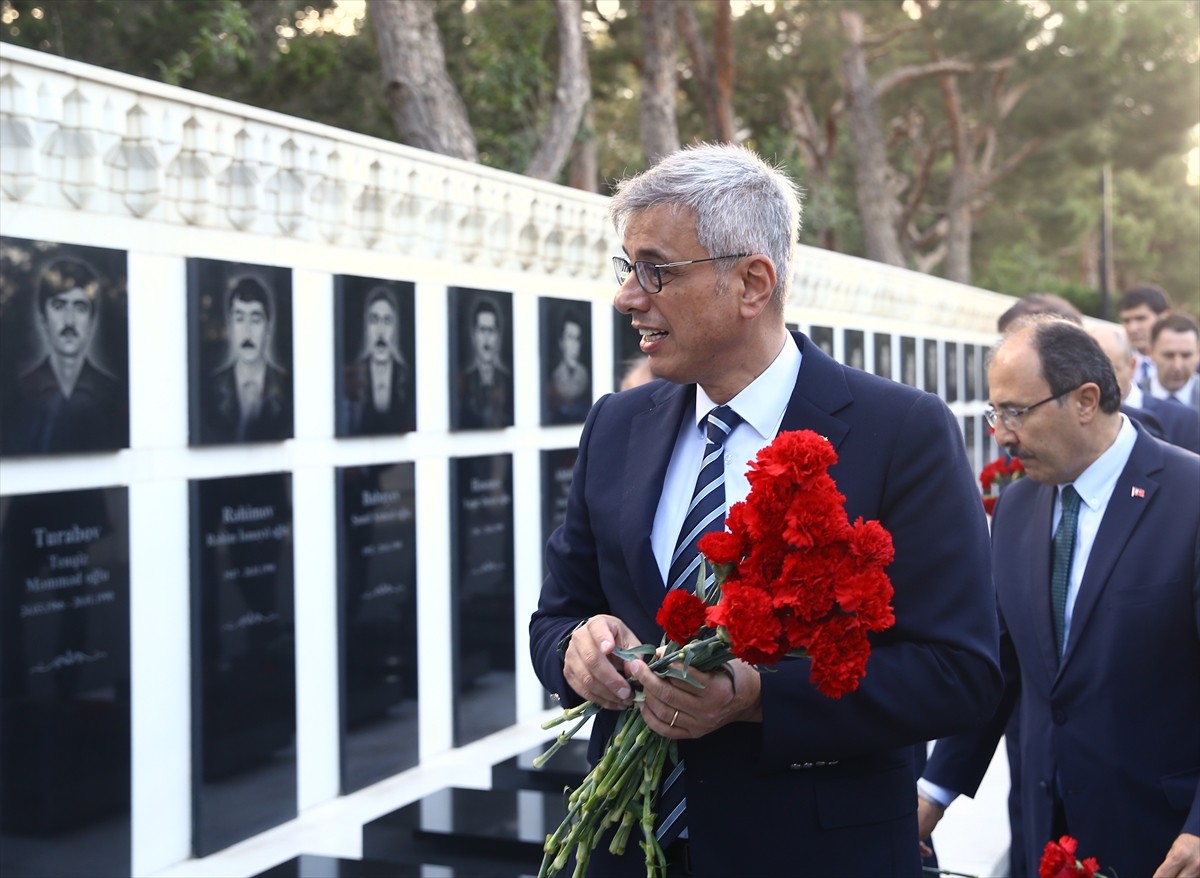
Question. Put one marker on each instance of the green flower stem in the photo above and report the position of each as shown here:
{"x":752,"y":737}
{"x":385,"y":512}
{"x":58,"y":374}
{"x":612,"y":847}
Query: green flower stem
{"x":622,"y":789}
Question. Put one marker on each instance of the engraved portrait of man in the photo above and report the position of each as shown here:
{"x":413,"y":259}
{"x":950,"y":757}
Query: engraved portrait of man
{"x":64,"y":386}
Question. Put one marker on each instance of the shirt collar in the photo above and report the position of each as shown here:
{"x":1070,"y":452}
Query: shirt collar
{"x":763,"y":401}
{"x":1096,"y":483}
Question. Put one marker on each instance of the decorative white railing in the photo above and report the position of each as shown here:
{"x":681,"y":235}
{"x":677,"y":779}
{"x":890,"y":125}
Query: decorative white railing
{"x":82,"y":138}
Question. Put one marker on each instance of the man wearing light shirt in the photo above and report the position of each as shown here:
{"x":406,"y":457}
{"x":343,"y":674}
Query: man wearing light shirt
{"x":1108,"y":749}
{"x":1138,"y":309}
{"x":1175,"y":349}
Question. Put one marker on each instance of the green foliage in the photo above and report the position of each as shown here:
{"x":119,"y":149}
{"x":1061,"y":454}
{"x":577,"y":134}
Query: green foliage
{"x":1102,"y":82}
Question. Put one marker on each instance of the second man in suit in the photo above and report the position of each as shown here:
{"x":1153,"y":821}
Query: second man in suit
{"x":1097,"y":568}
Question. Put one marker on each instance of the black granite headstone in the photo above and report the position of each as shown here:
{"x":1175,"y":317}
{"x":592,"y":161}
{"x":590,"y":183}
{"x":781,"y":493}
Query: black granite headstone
{"x":627,"y":347}
{"x":558,"y":466}
{"x":480,"y":368}
{"x":377,"y":599}
{"x":65,"y":684}
{"x":565,"y":329}
{"x":239,"y":353}
{"x":951,"y":354}
{"x":243,"y":659}
{"x":970,"y":371}
{"x":488,"y":831}
{"x":822,"y":337}
{"x":854,"y":348}
{"x":484,"y":619}
{"x":883,"y":354}
{"x":908,"y":360}
{"x":375,"y":382}
{"x":64,"y":348}
{"x":931,"y":366}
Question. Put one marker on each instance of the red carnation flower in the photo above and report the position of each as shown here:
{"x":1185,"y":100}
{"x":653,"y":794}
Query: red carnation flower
{"x":681,"y":615}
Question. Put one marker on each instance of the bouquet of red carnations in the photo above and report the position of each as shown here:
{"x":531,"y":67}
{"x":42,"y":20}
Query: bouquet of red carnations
{"x":996,"y":475}
{"x":794,"y":578}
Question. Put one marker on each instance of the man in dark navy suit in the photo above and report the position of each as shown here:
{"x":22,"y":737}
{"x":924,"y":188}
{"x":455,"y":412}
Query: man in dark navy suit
{"x":1095,"y":554}
{"x":1170,"y":422}
{"x":780,"y":780}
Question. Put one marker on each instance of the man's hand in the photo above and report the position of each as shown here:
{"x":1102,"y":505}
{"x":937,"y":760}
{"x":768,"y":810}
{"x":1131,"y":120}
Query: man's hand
{"x":1183,"y":859}
{"x":928,"y":815}
{"x":677,"y":709}
{"x":590,"y":667}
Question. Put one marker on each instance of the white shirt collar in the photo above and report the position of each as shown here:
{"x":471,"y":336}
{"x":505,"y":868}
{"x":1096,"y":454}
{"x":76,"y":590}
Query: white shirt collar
{"x":764,"y":400}
{"x":1096,"y":483}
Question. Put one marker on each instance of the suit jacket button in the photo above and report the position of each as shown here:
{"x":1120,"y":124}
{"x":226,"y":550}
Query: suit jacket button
{"x":1059,"y":716}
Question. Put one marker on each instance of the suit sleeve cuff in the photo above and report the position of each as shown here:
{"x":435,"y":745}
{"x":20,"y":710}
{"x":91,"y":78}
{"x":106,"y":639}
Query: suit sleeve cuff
{"x":938,"y":795}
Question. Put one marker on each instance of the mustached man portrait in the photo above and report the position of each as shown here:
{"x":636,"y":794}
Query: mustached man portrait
{"x":241,"y":354}
{"x":65,"y":361}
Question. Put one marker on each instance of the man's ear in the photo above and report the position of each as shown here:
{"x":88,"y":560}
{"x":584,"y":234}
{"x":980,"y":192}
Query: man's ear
{"x":758,"y":282}
{"x":1087,"y":398}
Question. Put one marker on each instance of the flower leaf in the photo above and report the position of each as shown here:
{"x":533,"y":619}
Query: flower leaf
{"x":629,"y":653}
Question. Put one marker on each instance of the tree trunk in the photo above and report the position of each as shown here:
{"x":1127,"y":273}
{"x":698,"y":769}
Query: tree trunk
{"x":584,"y":171}
{"x":426,"y":107}
{"x":873,"y":184}
{"x":714,"y":75}
{"x":660,"y":133}
{"x":571,"y":95}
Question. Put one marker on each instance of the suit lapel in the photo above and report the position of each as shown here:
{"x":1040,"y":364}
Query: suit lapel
{"x":820,"y":391}
{"x":651,"y":442}
{"x":1131,"y":497}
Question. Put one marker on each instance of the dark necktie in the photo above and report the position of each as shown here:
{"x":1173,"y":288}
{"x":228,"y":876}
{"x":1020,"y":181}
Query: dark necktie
{"x":706,"y":513}
{"x":1060,"y":577}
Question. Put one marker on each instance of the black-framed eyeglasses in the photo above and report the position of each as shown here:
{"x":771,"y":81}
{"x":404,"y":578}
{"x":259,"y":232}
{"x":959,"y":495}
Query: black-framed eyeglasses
{"x":648,"y":276}
{"x":1012,"y":418}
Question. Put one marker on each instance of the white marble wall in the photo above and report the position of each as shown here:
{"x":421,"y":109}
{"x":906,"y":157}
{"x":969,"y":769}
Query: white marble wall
{"x":93,"y":157}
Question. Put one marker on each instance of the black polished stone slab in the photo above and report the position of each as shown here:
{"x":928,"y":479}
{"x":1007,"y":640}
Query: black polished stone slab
{"x":468,"y":828}
{"x":482,"y":594}
{"x":243,"y":659}
{"x":377,"y":604}
{"x":63,"y":304}
{"x":566,"y":768}
{"x":314,"y":866}
{"x":565,"y":329}
{"x":558,"y":467}
{"x":65,"y":684}
{"x":375,"y":380}
{"x":240,"y":386}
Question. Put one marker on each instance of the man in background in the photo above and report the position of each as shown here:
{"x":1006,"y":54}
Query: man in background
{"x":1175,"y":350}
{"x":1138,"y":309}
{"x":1095,"y":550}
{"x":249,"y":399}
{"x":66,"y":402}
{"x":1176,"y":424}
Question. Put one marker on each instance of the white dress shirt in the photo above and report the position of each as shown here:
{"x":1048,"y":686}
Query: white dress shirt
{"x":761,"y":405}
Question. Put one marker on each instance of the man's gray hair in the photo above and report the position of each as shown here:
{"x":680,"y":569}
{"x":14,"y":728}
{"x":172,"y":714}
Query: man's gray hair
{"x":742,"y":204}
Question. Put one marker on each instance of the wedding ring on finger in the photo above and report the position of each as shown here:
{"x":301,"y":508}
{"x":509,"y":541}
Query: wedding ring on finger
{"x":675,"y":717}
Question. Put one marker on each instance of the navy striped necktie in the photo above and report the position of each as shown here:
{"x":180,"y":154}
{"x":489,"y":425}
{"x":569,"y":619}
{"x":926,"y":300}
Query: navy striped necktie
{"x":706,"y":512}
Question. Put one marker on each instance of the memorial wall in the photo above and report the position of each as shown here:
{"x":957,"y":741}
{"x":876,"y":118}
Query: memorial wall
{"x":286,"y":416}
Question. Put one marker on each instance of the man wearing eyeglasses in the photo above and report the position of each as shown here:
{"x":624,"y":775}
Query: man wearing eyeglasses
{"x":1097,"y":569}
{"x":777,"y":779}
